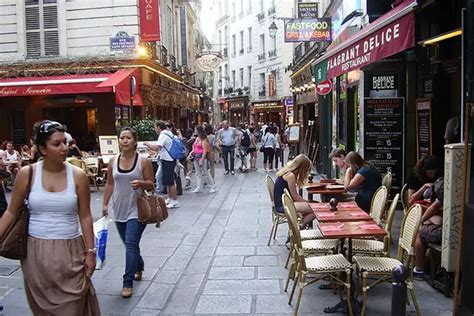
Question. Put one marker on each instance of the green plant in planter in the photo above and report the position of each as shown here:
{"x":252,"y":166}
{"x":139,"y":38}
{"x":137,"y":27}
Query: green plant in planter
{"x":145,"y":129}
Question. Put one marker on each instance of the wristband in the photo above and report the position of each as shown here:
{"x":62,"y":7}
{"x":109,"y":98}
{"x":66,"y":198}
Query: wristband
{"x":91,"y":250}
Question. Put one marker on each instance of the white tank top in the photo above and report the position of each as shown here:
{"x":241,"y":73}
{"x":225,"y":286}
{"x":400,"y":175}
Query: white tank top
{"x":53,"y":215}
{"x":12,"y":157}
{"x":123,"y":204}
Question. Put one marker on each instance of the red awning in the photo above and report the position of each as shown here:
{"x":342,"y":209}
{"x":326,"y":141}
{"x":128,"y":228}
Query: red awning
{"x":390,"y":34}
{"x":118,"y":83}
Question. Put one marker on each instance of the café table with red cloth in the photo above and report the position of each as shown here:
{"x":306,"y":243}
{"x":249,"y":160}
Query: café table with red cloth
{"x":348,"y":230}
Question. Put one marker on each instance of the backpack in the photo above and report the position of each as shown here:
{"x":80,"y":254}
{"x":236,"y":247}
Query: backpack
{"x":245,"y":142}
{"x":177,"y":150}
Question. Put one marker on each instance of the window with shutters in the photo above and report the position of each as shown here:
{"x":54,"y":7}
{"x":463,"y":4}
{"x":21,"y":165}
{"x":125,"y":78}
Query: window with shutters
{"x":41,"y":22}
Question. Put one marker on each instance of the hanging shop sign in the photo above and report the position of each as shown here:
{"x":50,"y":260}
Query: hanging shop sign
{"x":149,"y":20}
{"x":271,"y":86}
{"x":423,"y":128}
{"x":383,"y":136}
{"x":122,"y":41}
{"x":208,"y":62}
{"x":308,"y":30}
{"x":307,"y":10}
{"x":389,"y":40}
{"x":324,"y":87}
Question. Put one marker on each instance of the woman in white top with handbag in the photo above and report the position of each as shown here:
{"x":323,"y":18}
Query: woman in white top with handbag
{"x":60,"y":259}
{"x":128,"y":173}
{"x":268,"y":148}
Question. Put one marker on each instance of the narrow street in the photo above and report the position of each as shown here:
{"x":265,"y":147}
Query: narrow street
{"x":211,"y":257}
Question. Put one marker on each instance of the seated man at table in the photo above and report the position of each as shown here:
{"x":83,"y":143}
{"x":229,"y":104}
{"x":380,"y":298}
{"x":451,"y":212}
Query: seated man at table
{"x":338,"y":156}
{"x":292,"y":175}
{"x":431,"y":228}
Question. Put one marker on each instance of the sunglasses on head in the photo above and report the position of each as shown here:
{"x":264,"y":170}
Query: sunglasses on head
{"x":49,"y":126}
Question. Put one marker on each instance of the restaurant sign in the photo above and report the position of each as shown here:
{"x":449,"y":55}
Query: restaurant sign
{"x":308,"y":30}
{"x":266,"y":104}
{"x":307,"y":10}
{"x":389,"y":40}
{"x":149,"y":20}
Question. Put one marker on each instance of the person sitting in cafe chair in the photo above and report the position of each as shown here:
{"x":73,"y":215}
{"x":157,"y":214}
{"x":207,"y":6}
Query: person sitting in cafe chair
{"x":292,"y":175}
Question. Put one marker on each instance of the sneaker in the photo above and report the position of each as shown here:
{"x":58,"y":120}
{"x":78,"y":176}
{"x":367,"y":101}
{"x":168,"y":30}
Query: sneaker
{"x":418,"y":274}
{"x":226,"y":172}
{"x":173,"y":204}
{"x":212,"y":190}
{"x":197,"y":190}
{"x":127,"y":292}
{"x":168,"y":201}
{"x":232,"y":172}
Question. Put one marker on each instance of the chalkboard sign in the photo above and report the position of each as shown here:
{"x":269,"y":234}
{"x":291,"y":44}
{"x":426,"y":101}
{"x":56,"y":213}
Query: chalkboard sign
{"x":19,"y":126}
{"x":383,"y":137}
{"x":423,"y":128}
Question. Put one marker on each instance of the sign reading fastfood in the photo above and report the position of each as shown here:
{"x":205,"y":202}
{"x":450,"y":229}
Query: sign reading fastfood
{"x":389,"y":40}
{"x":308,"y":30}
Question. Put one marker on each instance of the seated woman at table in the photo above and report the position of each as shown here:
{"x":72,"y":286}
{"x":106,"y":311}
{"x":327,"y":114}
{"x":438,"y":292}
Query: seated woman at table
{"x":338,"y":156}
{"x":363,"y":178}
{"x":292,"y":175}
{"x":427,"y":170}
{"x":74,"y":150}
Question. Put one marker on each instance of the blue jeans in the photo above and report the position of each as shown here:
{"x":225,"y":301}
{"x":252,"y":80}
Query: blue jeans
{"x":159,"y":177}
{"x":131,"y":232}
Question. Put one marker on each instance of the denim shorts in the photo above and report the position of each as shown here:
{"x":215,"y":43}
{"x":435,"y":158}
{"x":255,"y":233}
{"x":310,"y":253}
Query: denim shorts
{"x":280,"y":209}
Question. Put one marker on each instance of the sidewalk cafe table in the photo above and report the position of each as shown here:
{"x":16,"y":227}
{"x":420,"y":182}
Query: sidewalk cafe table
{"x":349,"y":230}
{"x":324,"y":189}
{"x":342,"y":215}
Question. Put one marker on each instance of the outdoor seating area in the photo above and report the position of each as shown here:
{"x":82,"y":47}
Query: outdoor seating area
{"x":349,"y":248}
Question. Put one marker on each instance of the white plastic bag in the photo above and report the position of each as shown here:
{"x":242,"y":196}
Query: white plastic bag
{"x":101,"y":231}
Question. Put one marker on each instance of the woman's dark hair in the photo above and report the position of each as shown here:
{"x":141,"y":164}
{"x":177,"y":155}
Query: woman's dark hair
{"x":252,"y":129}
{"x":274,"y":130}
{"x":209,"y":130}
{"x":267,"y":130}
{"x":161,"y":125}
{"x":200,"y":132}
{"x":188,"y":133}
{"x":131,"y":131}
{"x":43,"y":130}
{"x":428,"y":163}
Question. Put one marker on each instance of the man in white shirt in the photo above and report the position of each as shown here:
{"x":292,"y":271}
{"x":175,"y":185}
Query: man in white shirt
{"x":165,"y":140}
{"x":227,"y":138}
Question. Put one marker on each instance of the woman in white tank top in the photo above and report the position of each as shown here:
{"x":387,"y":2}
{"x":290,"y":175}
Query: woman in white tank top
{"x":60,"y":261}
{"x":127,"y":174}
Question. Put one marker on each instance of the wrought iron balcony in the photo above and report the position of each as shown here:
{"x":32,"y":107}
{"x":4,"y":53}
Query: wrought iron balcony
{"x":272,"y":53}
{"x":260,"y":16}
{"x":271,"y":10}
{"x":261,"y":56}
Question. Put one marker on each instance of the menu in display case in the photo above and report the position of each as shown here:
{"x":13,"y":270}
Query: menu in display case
{"x":423,"y":128}
{"x":384,"y":138}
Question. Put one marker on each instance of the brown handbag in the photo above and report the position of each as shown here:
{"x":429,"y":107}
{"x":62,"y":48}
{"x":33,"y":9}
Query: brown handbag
{"x":13,"y":244}
{"x":151,"y":208}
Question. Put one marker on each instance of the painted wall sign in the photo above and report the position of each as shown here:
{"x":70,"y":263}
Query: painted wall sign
{"x":389,"y":40}
{"x":307,"y":10}
{"x":324,"y":87}
{"x":308,"y":30}
{"x":383,"y":137}
{"x":149,"y":20}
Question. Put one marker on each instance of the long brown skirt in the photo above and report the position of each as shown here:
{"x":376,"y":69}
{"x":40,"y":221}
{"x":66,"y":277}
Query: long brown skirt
{"x":55,"y":279}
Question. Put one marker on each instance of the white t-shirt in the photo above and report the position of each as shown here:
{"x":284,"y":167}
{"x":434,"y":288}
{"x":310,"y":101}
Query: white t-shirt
{"x":165,"y":141}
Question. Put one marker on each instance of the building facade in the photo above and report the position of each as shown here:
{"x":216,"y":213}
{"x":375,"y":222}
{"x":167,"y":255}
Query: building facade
{"x":82,"y":63}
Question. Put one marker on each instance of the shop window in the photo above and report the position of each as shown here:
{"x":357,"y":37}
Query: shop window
{"x":41,"y":23}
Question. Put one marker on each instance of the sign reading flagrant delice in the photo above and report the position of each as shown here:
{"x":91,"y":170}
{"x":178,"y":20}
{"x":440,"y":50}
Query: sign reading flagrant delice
{"x":308,"y":30}
{"x":389,"y":40}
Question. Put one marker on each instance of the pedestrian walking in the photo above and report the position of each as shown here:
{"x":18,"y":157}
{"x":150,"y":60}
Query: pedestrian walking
{"x":168,"y":164}
{"x":188,"y":143}
{"x":253,"y":149}
{"x":60,"y":257}
{"x":268,"y":146}
{"x":201,"y":148}
{"x":279,"y":146}
{"x":211,"y":158}
{"x":129,"y":173}
{"x":227,"y":138}
{"x":244,"y":144}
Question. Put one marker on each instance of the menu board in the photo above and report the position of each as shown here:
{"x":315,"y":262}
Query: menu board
{"x":383,"y":136}
{"x":423,"y":128}
{"x":19,"y":126}
{"x":294,"y":133}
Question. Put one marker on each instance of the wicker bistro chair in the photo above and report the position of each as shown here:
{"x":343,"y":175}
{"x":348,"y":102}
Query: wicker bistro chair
{"x":82,"y":164}
{"x":404,"y":198}
{"x":377,"y":206}
{"x":381,"y":268}
{"x":387,"y":180}
{"x":308,"y":247}
{"x":277,"y":218}
{"x":377,"y":247}
{"x":316,"y":268}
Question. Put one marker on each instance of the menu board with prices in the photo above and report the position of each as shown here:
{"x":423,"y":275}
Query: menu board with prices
{"x":383,"y":137}
{"x":423,"y":128}
{"x":19,"y":126}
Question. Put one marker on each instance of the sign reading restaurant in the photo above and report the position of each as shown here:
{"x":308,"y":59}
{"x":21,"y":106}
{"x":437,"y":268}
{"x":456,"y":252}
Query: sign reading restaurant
{"x":149,"y":20}
{"x":307,"y":10}
{"x":308,"y":30}
{"x":389,"y":40}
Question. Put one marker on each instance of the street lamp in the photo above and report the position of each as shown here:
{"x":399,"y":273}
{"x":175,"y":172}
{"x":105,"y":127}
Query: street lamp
{"x":272,"y":29}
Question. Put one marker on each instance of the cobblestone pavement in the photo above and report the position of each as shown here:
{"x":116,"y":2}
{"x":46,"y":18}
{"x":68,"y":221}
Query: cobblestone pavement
{"x":211,"y":257}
